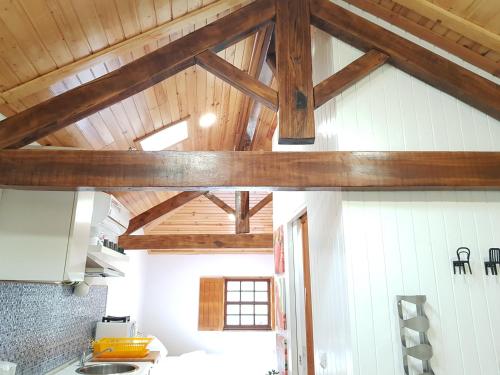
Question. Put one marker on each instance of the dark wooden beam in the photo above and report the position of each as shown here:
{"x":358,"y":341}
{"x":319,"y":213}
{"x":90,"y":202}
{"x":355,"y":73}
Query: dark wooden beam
{"x":73,"y":105}
{"x":196,"y":241}
{"x":220,"y":203}
{"x":441,"y":41}
{"x":199,"y":171}
{"x":408,"y":56}
{"x":251,"y":109}
{"x":239,"y":79}
{"x":161,"y":209}
{"x":263,"y":203}
{"x":294,"y":72}
{"x":242,"y":223}
{"x":209,"y":251}
{"x":348,"y":76}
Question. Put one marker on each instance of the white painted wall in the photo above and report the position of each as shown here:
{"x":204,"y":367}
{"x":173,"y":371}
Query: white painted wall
{"x":125,"y":294}
{"x":368,"y":247}
{"x":170,"y":301}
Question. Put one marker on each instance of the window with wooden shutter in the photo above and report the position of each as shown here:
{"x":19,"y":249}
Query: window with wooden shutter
{"x":211,"y":310}
{"x":235,"y":303}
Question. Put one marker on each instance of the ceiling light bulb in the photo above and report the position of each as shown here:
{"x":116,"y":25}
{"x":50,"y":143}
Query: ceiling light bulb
{"x":208,"y":119}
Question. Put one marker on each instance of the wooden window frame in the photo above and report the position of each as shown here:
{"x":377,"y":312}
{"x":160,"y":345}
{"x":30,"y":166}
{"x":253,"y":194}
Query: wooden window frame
{"x":269,"y":302}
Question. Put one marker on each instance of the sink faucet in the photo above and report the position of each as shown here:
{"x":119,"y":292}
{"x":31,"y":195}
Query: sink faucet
{"x":87,"y":354}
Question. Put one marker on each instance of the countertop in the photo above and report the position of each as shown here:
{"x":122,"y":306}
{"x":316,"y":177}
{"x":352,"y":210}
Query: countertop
{"x":70,"y":369}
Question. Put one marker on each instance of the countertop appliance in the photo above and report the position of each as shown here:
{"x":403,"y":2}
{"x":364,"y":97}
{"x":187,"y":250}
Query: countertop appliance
{"x":112,"y":326}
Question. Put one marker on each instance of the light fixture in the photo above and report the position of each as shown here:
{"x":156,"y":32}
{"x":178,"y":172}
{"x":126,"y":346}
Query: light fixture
{"x":208,"y":119}
{"x":231,"y":217}
{"x":166,"y":137}
{"x":2,"y":117}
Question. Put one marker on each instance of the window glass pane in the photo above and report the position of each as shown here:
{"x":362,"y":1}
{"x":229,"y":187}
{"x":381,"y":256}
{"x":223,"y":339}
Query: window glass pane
{"x":247,"y":320}
{"x":247,"y":285}
{"x":233,"y":296}
{"x":261,"y":285}
{"x":261,"y":309}
{"x":261,"y":296}
{"x":233,"y":285}
{"x":261,"y":320}
{"x":246,"y":296}
{"x":233,"y":320}
{"x":247,"y":309}
{"x":233,"y":309}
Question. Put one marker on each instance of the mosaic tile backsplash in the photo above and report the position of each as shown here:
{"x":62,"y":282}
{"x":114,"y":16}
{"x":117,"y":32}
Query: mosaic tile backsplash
{"x":43,"y":326}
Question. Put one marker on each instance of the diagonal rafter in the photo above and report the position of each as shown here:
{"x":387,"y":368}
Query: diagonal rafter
{"x":348,"y":76}
{"x":251,"y":109}
{"x":408,"y":56}
{"x":161,"y":209}
{"x":260,"y":205}
{"x":220,"y":203}
{"x":238,"y":79}
{"x":61,"y":111}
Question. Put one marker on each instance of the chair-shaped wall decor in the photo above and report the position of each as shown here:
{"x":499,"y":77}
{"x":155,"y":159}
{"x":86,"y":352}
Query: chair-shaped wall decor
{"x":463,"y":257}
{"x":419,"y":324}
{"x":491,"y":264}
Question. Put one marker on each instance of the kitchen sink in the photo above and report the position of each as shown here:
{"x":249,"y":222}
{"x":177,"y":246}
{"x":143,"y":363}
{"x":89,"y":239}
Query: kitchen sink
{"x":107,"y":368}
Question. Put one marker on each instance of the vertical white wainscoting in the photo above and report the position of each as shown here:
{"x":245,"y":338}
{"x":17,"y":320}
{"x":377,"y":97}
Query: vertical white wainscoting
{"x":368,"y":247}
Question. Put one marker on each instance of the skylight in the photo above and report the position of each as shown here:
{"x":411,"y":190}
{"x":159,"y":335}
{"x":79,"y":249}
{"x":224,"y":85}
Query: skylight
{"x":166,"y":137}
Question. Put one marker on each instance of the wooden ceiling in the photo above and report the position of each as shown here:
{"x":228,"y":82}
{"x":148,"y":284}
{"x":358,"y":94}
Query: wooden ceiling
{"x":40,"y":41}
{"x":469,"y":29}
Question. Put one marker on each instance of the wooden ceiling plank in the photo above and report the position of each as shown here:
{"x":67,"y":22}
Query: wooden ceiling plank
{"x":161,"y":209}
{"x":430,"y":36}
{"x":242,"y":222}
{"x":459,"y":24}
{"x":348,"y":76}
{"x":220,"y":203}
{"x":62,"y":110}
{"x":197,"y":241}
{"x":260,"y":205}
{"x":238,"y":79}
{"x":294,"y":72}
{"x":103,"y":55}
{"x":201,"y":171}
{"x":408,"y":56}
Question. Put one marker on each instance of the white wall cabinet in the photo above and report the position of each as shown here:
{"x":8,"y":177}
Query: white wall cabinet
{"x":44,"y":235}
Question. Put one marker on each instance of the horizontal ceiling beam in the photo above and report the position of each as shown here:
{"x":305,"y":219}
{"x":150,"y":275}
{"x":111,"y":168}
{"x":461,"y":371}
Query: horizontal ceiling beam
{"x":238,"y":79}
{"x":348,"y":76}
{"x":209,"y":251}
{"x":411,"y":58}
{"x":161,"y":209}
{"x":80,"y":102}
{"x":117,"y":50}
{"x":196,"y":241}
{"x":199,"y":171}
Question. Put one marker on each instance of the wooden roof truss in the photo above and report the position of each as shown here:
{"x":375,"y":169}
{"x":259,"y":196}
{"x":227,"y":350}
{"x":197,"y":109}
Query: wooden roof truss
{"x":284,"y":40}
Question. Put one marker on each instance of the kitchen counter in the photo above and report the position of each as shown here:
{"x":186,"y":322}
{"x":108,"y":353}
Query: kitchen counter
{"x":143,"y":369}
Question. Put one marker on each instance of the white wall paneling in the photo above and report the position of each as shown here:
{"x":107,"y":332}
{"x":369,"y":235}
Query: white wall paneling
{"x":368,"y":247}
